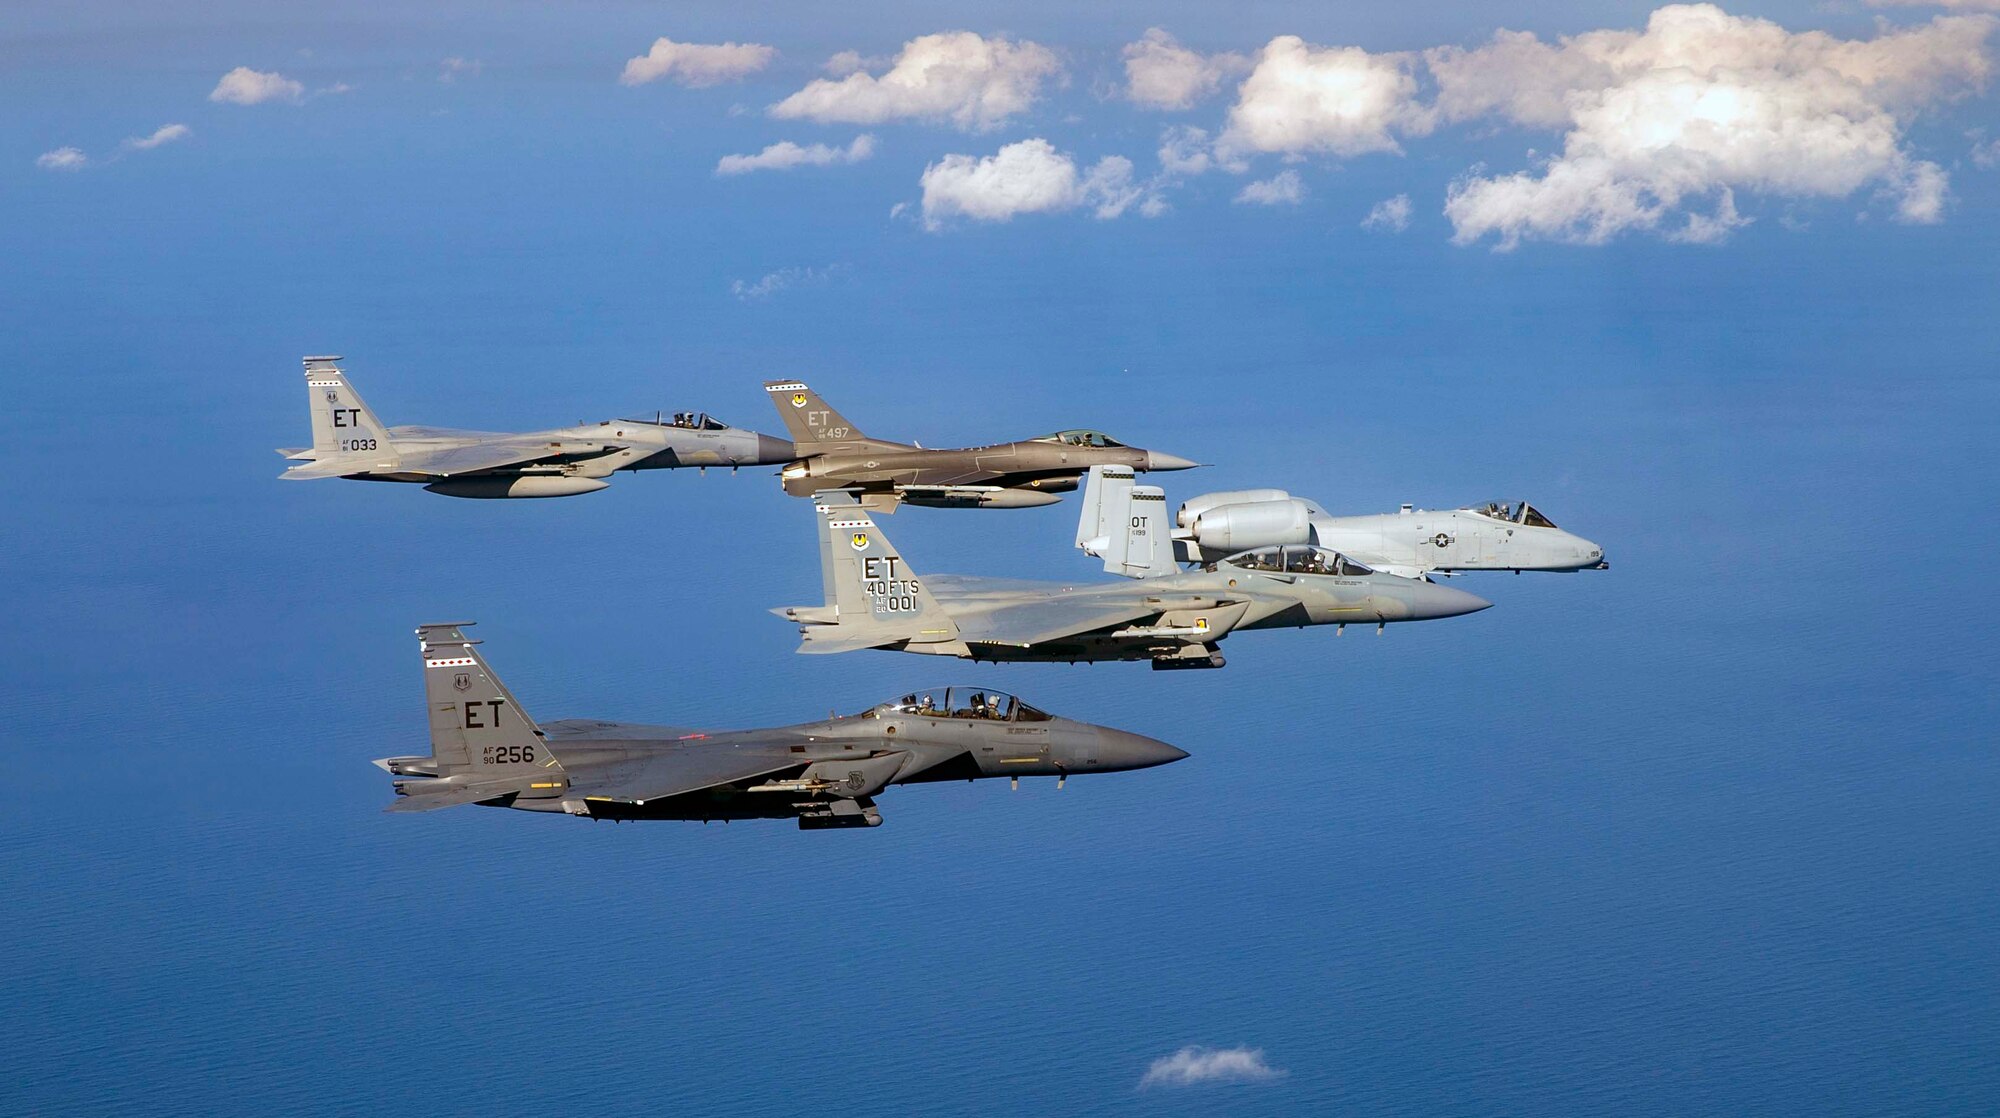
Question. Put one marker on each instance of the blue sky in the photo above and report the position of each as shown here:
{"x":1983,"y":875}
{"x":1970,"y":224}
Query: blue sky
{"x":1712,"y":830}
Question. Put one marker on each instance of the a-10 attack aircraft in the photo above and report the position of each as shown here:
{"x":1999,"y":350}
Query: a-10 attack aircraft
{"x":875,"y":600}
{"x":1411,"y":543}
{"x":834,"y":454}
{"x":349,"y":442}
{"x":485,"y":749}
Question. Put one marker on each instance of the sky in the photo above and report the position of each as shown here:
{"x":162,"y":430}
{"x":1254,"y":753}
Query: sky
{"x":1713,"y":287}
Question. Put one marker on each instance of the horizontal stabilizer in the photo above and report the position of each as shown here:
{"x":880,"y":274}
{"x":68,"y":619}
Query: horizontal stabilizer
{"x":815,"y":645}
{"x":418,"y":797}
{"x":334,"y":467}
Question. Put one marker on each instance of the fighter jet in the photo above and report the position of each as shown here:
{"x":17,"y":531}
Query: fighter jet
{"x":349,"y":442}
{"x":485,"y":749}
{"x":834,"y":454}
{"x":1412,"y":542}
{"x":876,"y":600}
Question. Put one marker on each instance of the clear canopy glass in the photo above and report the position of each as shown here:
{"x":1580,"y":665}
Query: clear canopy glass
{"x":977,"y":703}
{"x":1297,"y":560}
{"x":1080,"y":437}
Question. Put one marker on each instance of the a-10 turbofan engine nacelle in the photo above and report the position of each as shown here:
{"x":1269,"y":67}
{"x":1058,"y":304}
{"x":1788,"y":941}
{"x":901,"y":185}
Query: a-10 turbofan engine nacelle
{"x":1226,"y":523}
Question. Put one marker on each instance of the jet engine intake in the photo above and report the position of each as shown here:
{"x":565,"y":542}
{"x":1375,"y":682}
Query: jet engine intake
{"x":1237,"y":527}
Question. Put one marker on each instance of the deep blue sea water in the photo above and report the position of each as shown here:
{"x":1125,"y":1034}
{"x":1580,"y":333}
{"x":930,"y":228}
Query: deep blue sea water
{"x":1711,"y":832}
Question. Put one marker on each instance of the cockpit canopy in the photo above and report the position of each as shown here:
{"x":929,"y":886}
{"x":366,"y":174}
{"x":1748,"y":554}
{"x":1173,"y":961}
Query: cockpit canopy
{"x":1296,"y":560}
{"x":982,"y":704}
{"x":685,"y":420}
{"x":1079,"y":437}
{"x":1523,"y":514}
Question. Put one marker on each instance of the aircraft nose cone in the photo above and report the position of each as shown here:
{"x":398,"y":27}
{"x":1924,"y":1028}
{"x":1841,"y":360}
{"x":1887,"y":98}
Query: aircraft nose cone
{"x":1431,"y":601}
{"x":1155,"y":460}
{"x":1117,"y":750}
{"x":774,"y":452}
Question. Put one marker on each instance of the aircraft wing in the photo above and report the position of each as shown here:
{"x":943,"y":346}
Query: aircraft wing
{"x":690,"y":768}
{"x":450,"y":461}
{"x":1050,"y":619}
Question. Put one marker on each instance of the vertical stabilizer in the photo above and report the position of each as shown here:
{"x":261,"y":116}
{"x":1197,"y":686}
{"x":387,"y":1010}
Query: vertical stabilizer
{"x":873,"y":598}
{"x":476,"y":725}
{"x":1125,"y":524}
{"x":812,"y":423}
{"x":342,"y":423}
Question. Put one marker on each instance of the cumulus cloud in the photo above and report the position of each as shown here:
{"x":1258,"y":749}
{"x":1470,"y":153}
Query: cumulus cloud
{"x":1960,"y":5}
{"x":62,"y":159}
{"x":1666,"y":124}
{"x":1186,"y":150}
{"x":1985,"y":152}
{"x":244,"y":86}
{"x":973,"y":82}
{"x":785,"y":155}
{"x":1162,"y":74}
{"x":1390,"y":215}
{"x":697,"y":64}
{"x":1285,"y":188}
{"x":1029,"y":177}
{"x":782,"y":280}
{"x":1301,"y":99}
{"x":165,"y":134}
{"x":454,"y":68}
{"x":1194,"y":1066}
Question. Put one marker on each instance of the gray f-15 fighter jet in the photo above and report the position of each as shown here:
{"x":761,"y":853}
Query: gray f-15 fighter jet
{"x":875,"y":600}
{"x":349,"y":442}
{"x":1412,"y":542}
{"x":834,"y":454}
{"x":485,"y":749}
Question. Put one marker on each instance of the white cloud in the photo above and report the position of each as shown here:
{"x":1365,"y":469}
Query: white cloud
{"x":1285,"y":188}
{"x":1338,"y":100}
{"x":1194,"y":1065}
{"x":785,"y":155}
{"x":1185,"y":150}
{"x":1390,"y":215}
{"x":1665,"y":124}
{"x":1162,"y":74}
{"x":454,"y":68}
{"x":1958,"y":5}
{"x":165,"y":134}
{"x":1985,"y":152}
{"x":784,"y":279}
{"x":62,"y":159}
{"x":1029,"y":177}
{"x":852,"y":61}
{"x":244,"y":86}
{"x":973,"y":82}
{"x":697,"y":64}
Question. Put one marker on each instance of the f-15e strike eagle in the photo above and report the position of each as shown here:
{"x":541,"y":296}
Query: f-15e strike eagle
{"x":349,"y":442}
{"x":834,"y":454}
{"x":485,"y":749}
{"x":876,"y":600}
{"x":1413,"y":542}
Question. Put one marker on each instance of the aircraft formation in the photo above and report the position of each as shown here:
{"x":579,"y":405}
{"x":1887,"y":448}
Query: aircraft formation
{"x":1224,"y":563}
